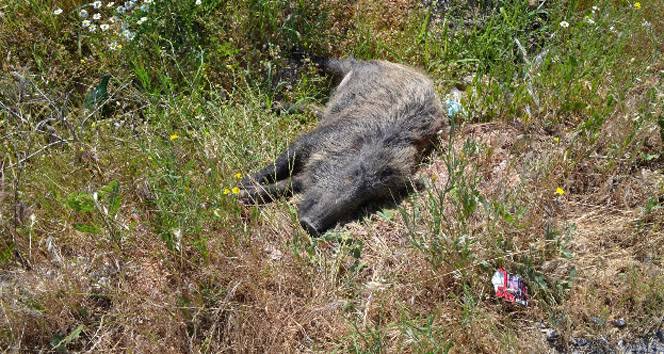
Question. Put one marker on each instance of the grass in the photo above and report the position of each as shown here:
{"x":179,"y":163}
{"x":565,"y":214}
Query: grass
{"x":117,"y":234}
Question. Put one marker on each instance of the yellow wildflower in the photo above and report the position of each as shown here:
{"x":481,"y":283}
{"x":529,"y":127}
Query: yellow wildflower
{"x":556,"y":139}
{"x":174,"y":137}
{"x":238,"y":175}
{"x":235,"y":190}
{"x":637,"y":5}
{"x":227,"y":191}
{"x":560,"y":191}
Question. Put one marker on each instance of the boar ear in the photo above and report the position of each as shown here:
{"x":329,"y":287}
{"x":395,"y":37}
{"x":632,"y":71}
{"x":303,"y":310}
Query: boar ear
{"x":408,"y":138}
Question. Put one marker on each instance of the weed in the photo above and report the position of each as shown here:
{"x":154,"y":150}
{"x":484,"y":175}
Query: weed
{"x":119,"y":142}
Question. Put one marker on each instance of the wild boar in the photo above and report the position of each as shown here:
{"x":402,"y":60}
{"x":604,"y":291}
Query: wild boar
{"x":379,"y":123}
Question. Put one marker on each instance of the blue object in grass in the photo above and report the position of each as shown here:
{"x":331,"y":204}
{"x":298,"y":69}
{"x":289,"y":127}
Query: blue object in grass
{"x":453,"y":107}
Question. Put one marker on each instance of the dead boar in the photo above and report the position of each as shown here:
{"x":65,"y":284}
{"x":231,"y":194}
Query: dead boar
{"x":380,"y":121}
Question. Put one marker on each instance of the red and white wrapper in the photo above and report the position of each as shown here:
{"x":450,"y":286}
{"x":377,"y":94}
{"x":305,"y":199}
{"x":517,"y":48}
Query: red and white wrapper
{"x":510,"y":287}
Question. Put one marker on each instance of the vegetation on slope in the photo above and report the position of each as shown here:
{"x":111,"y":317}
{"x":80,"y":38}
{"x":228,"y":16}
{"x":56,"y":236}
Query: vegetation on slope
{"x":124,"y":131}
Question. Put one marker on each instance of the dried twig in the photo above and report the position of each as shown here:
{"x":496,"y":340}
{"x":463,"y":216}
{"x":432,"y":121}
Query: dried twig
{"x":21,"y":161}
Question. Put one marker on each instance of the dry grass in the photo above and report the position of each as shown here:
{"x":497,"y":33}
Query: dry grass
{"x":281,"y":299}
{"x":183,"y":268}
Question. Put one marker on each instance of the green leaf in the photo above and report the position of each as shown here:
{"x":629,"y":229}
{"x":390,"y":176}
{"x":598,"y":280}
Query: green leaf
{"x":98,"y":94}
{"x":650,"y":157}
{"x":111,"y":195}
{"x":227,"y":49}
{"x":81,"y":202}
{"x":87,"y":228}
{"x":386,"y":214}
{"x":59,"y":344}
{"x":142,"y":75}
{"x":541,"y":282}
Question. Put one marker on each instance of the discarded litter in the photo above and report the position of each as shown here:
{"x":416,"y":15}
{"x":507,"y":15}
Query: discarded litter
{"x":510,"y":287}
{"x":620,"y":323}
{"x":453,"y":107}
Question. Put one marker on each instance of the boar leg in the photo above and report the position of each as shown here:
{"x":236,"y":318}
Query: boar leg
{"x":267,"y":193}
{"x":283,"y":167}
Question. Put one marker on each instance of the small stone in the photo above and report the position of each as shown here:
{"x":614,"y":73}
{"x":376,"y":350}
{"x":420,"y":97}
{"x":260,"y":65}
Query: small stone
{"x":580,"y":342}
{"x":552,"y":335}
{"x":273,"y":252}
{"x":620,"y":323}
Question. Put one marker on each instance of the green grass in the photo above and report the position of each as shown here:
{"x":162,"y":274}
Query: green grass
{"x":117,"y":233}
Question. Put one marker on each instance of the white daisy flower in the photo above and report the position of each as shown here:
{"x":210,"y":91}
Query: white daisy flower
{"x":96,"y":4}
{"x":57,"y":11}
{"x":110,"y":4}
{"x":148,"y":2}
{"x":128,"y":34}
{"x":121,"y":9}
{"x":141,"y":20}
{"x":113,"y":45}
{"x":564,"y":24}
{"x":589,"y":20}
{"x":83,"y":13}
{"x":198,"y":2}
{"x":96,"y":17}
{"x":85,"y":23}
{"x":92,"y":28}
{"x":104,"y":27}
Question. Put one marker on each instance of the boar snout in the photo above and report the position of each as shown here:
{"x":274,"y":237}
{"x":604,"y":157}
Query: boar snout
{"x":319,"y":211}
{"x":309,"y":226}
